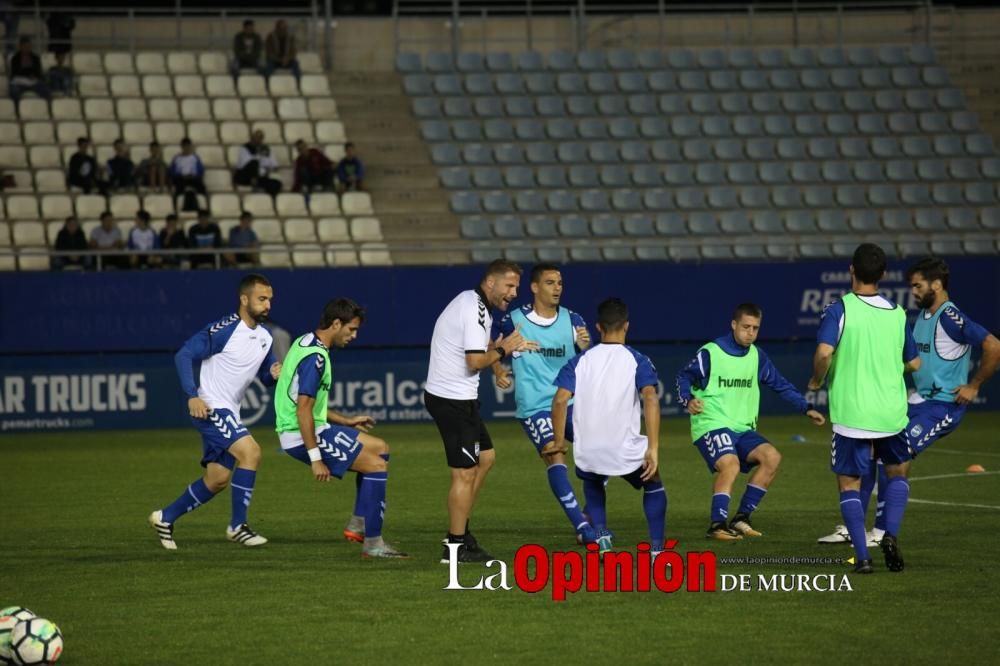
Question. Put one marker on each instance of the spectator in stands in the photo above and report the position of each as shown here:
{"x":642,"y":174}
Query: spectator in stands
{"x":281,"y":52}
{"x":26,"y":72}
{"x":83,"y":171}
{"x":247,"y":49}
{"x":204,"y":234}
{"x":142,"y":238}
{"x":244,"y":238}
{"x":108,"y":237}
{"x":313,"y":169}
{"x":70,"y":238}
{"x":187,"y":175}
{"x":61,"y":26}
{"x":152,"y":171}
{"x":172,"y":238}
{"x":62,"y":77}
{"x":121,"y":169}
{"x":255,"y":164}
{"x":350,"y":171}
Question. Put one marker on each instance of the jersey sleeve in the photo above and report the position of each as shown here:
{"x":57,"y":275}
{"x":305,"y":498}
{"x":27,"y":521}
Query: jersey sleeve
{"x":264,"y":371}
{"x":693,"y":375}
{"x":768,"y":375}
{"x":566,"y":379}
{"x":576,"y":321}
{"x":830,"y":324}
{"x":475,"y":334}
{"x":206,"y":342}
{"x":961,"y":329}
{"x":909,"y":345}
{"x":645,"y":372}
{"x":505,"y":327}
{"x":310,"y":374}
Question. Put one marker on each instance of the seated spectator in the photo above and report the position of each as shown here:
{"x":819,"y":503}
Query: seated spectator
{"x":62,"y":77}
{"x":152,"y":171}
{"x":281,"y":52}
{"x":254,"y":165}
{"x":70,"y":238}
{"x":108,"y":237}
{"x":247,"y":49}
{"x":83,"y":171}
{"x":313,"y":169}
{"x":142,"y":237}
{"x":244,"y":238}
{"x":204,"y":234}
{"x":121,"y":169}
{"x":187,"y":175}
{"x":25,"y":72}
{"x":172,"y":238}
{"x":350,"y":171}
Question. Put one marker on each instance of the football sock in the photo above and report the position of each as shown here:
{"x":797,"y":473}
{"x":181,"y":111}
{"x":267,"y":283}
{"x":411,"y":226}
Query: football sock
{"x":720,"y":507}
{"x":357,"y":490}
{"x":883,"y":489}
{"x":867,"y":486}
{"x":242,"y":489}
{"x":752,"y":497}
{"x":193,"y":496}
{"x":593,"y":490}
{"x":654,"y":504}
{"x":854,"y":519}
{"x":897,"y":492}
{"x":372,"y":495}
{"x":563,"y":490}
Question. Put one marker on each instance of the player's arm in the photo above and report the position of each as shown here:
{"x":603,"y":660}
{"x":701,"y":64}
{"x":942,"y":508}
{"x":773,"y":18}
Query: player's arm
{"x":362,"y":422}
{"x":477,"y":359}
{"x":310,"y":373}
{"x":560,"y":412}
{"x":768,"y":375}
{"x":198,"y":347}
{"x":827,"y":339}
{"x":694,"y":374}
{"x":911,"y":357}
{"x":821,"y":365}
{"x":501,"y":373}
{"x":581,"y":336}
{"x":269,"y":370}
{"x":647,"y":382}
{"x":963,"y":330}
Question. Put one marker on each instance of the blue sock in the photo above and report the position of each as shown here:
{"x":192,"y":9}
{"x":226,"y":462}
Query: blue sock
{"x":654,"y":504}
{"x":372,"y":498}
{"x":854,"y":519}
{"x":563,"y":490}
{"x":867,"y":486}
{"x":193,"y":496}
{"x":242,"y":484}
{"x":883,"y":487}
{"x":897,"y":493}
{"x":752,"y":497}
{"x":593,"y":490}
{"x":357,"y":488}
{"x":720,"y":507}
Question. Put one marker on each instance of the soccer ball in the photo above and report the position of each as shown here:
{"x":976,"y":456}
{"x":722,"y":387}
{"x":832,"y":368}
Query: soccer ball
{"x":9,"y":617}
{"x":36,"y":641}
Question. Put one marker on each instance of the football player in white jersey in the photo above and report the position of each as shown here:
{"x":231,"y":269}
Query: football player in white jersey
{"x":215,"y":367}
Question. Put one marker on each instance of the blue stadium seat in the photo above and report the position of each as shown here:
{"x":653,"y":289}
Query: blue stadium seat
{"x":540,"y":226}
{"x":467,"y":130}
{"x":703,"y":223}
{"x":457,"y":107}
{"x":690,"y":198}
{"x":818,"y":196}
{"x":980,"y":245}
{"x":892,"y":55}
{"x":716,"y":252}
{"x":806,"y":172}
{"x":509,"y":227}
{"x":791,"y":148}
{"x":654,"y":127}
{"x":723,"y":198}
{"x":773,"y":173}
{"x":710,"y":173}
{"x":476,"y":228}
{"x":796,"y":102}
{"x":622,"y":59}
{"x":516,"y":106}
{"x":671,"y":224}
{"x":445,"y":154}
{"x":728,"y":149}
{"x":499,"y":129}
{"x":872,"y":123}
{"x":540,"y":152}
{"x":935,"y":77}
{"x":448,"y":84}
{"x":606,"y":225}
{"x":583,"y":175}
{"x":591,"y":61}
{"x":897,"y":219}
{"x":831,"y":56}
{"x":493,"y":107}
{"x":470,"y":62}
{"x":980,"y":193}
{"x":573,"y":226}
{"x":581,"y":105}
{"x":643,"y":105}
{"x":510,"y":83}
{"x":814,"y":79}
{"x":658,"y":200}
{"x":552,"y":176}
{"x":735,"y":222}
{"x":877,"y":78}
{"x":933,"y":122}
{"x":962,"y":219}
{"x":765,"y":102}
{"x":663,"y":81}
{"x":439,"y":62}
{"x":919,"y":100}
{"x":509,"y":153}
{"x":851,"y":196}
{"x":562,"y":201}
{"x":766,"y":222}
{"x":906,"y":76}
{"x":990,"y":218}
{"x":612,"y":105}
{"x":684,"y":253}
{"x":635,"y":151}
{"x":620,"y":253}
{"x":787,"y":196}
{"x":922,"y":54}
{"x":741,"y":173}
{"x":487,"y":178}
{"x":561,"y":61}
{"x":632,"y":82}
{"x":980,"y":145}
{"x":784,"y":79}
{"x":550,"y":105}
{"x":499,"y":61}
{"x":915,"y":194}
{"x":408,"y":63}
{"x":869,"y":171}
{"x":950,"y":99}
{"x":964,"y":121}
{"x":723,"y":79}
{"x":465,"y":202}
{"x":861,"y":56}
{"x":810,"y":125}
{"x":456,"y":178}
{"x":571,"y":83}
{"x":947,"y":194}
{"x":883,"y":195}
{"x":964,"y":169}
{"x":685,"y":126}
{"x":585,"y":253}
{"x":497,"y":202}
{"x":418,"y":85}
{"x":530,"y":201}
{"x":540,"y":83}
{"x":748,"y":126}
{"x":697,"y":150}
{"x":827,"y":101}
{"x":693,"y":81}
{"x":889,"y":100}
{"x":888,"y":147}
{"x":552,"y":254}
{"x":593,"y":128}
{"x":929,"y":219}
{"x":834,"y":171}
{"x":478,"y":84}
{"x":990,"y":167}
{"x":903,"y":123}
{"x":945,"y":247}
{"x":671,"y":103}
{"x":426,"y":107}
{"x":614,"y":175}
{"x":595,"y":201}
{"x":761,"y":149}
{"x":755,"y":197}
{"x":812,"y":249}
{"x":666,"y":150}
{"x":832,"y":221}
{"x":646,"y":175}
{"x":560,"y":129}
{"x":572,"y":152}
{"x":901,"y":170}
{"x":748,"y":249}
{"x":734,"y":103}
{"x":704,"y":103}
{"x":518,"y":177}
{"x":530,"y":61}
{"x":716,"y":126}
{"x":796,"y":221}
{"x":801,"y":57}
{"x":946,"y":145}
{"x":519,"y":255}
{"x":754,"y":80}
{"x":858,"y":102}
{"x":435,"y":130}
{"x":602,"y":83}
{"x":638,"y":224}
{"x":778,"y":125}
{"x":603,"y":152}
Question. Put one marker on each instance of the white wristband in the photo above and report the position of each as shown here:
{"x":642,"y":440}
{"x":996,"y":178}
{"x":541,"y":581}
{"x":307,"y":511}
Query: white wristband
{"x":315,"y":455}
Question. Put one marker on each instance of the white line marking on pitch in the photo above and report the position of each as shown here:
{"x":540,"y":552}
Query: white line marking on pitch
{"x":966,"y":453}
{"x":951,"y":476}
{"x":974,"y":506}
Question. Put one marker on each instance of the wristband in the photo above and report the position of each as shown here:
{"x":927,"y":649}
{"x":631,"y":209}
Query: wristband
{"x":315,"y":455}
{"x":500,"y":350}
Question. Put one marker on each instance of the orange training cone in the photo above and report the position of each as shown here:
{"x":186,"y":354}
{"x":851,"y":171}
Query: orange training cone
{"x":975,"y":469}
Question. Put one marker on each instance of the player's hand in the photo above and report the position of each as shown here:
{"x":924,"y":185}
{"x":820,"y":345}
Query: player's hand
{"x":275,"y":370}
{"x":364,"y":423}
{"x":814,"y":384}
{"x":650,"y":464}
{"x":197,"y":408}
{"x":816,"y":417}
{"x":695,"y":406}
{"x":965,"y":394}
{"x":582,"y":337}
{"x":553,"y":447}
{"x":515,"y":342}
{"x":502,"y":378}
{"x":320,"y":470}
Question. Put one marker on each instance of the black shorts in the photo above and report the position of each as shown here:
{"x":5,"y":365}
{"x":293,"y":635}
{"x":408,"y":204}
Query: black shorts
{"x":461,"y":428}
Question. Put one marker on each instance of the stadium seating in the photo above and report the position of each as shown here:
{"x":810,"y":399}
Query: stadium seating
{"x":775,"y":139}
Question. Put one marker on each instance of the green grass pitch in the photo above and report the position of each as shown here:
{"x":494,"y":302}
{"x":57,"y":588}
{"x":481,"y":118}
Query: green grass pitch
{"x":75,"y":547}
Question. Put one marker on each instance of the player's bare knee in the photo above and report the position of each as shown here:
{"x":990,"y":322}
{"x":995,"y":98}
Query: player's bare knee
{"x":772,"y":460}
{"x":728,"y":466}
{"x":463,"y":475}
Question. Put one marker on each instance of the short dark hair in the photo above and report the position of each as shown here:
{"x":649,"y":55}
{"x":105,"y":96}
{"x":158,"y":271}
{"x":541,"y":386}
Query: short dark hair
{"x":612,"y":314}
{"x":105,"y":214}
{"x":172,"y":217}
{"x":869,"y":263}
{"x":931,"y":268}
{"x":71,"y":218}
{"x":246,"y":213}
{"x":203,"y":212}
{"x":749,"y":309}
{"x":248,"y":282}
{"x":143,"y":215}
{"x":500,"y":267}
{"x":82,"y":140}
{"x":540,"y":269}
{"x":349,"y":144}
{"x":24,"y":40}
{"x":248,"y":22}
{"x":185,"y":140}
{"x":343,"y":310}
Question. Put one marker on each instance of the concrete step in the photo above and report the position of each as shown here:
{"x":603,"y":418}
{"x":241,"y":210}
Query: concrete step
{"x":412,"y":201}
{"x":431,"y":258}
{"x":353,"y":84}
{"x":369,"y":103}
{"x":400,"y":128}
{"x":386,"y":152}
{"x":419,"y":227}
